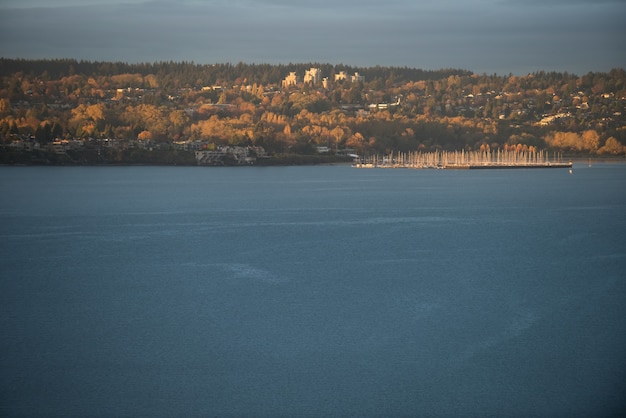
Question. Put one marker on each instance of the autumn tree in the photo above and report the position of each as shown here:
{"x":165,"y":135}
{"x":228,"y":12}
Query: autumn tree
{"x":87,"y":119}
{"x":144,"y":136}
{"x":147,"y":117}
{"x":612,"y":146}
{"x":591,"y":140}
{"x":178,"y":120}
{"x":587,"y":141}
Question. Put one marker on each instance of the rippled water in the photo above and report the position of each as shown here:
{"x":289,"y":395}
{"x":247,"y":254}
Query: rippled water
{"x":312,"y":291}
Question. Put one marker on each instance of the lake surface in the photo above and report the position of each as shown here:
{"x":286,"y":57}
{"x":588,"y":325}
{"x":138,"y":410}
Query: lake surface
{"x":312,"y":291}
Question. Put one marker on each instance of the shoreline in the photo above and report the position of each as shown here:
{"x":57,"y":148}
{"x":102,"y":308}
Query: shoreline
{"x":59,"y":160}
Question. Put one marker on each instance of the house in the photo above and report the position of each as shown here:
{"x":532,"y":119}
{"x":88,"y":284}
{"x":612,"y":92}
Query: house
{"x":290,"y":80}
{"x":230,"y":155}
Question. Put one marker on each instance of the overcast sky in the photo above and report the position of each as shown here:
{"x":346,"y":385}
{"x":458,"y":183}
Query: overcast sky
{"x":490,"y":36}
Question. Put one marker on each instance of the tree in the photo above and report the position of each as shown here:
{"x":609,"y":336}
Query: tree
{"x":337,"y":134}
{"x":57,"y":130}
{"x":178,"y":119}
{"x":14,"y":130}
{"x":355,"y":141}
{"x":144,"y":136}
{"x":43,"y":133}
{"x":591,"y":140}
{"x":287,"y":131}
{"x":146,"y":117}
{"x":87,"y":119}
{"x":612,"y":146}
{"x":5,"y":107}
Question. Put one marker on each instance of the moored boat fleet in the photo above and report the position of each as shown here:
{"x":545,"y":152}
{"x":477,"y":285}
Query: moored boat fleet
{"x":464,"y":160}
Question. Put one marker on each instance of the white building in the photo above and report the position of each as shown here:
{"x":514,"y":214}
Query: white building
{"x":312,"y":76}
{"x":357,"y":77}
{"x":353,"y":78}
{"x":341,"y":76}
{"x":290,"y":80}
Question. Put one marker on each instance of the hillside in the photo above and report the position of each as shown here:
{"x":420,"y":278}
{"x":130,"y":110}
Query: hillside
{"x":84,"y":109}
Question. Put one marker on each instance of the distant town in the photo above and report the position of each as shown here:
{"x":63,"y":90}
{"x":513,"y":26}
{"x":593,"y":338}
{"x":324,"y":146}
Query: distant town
{"x":71,"y":112}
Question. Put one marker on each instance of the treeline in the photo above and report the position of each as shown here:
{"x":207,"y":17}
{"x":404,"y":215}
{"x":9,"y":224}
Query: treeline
{"x":189,"y":74}
{"x":393,"y":108}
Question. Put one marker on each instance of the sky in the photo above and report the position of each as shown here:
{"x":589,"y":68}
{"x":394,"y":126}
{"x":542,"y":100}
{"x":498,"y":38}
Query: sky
{"x":484,"y":36}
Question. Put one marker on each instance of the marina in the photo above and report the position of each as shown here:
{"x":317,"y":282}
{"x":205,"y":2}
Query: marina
{"x":499,"y":159}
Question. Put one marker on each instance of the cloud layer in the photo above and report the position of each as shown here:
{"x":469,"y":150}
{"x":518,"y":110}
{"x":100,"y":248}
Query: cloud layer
{"x":481,"y":35}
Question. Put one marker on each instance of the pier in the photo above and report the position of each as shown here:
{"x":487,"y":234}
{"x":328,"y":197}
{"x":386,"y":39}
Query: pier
{"x":467,"y":160}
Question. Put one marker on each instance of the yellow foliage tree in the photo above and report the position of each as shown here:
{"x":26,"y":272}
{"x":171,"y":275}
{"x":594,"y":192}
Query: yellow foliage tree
{"x":144,"y":136}
{"x":587,"y":141}
{"x":355,"y":140}
{"x":151,"y":81}
{"x":591,"y":140}
{"x":337,"y":134}
{"x":85,"y":118}
{"x":612,"y":146}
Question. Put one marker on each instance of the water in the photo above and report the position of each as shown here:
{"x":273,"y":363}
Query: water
{"x":312,"y":291}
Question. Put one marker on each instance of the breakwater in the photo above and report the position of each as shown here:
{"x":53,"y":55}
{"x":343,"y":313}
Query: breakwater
{"x":464,"y":160}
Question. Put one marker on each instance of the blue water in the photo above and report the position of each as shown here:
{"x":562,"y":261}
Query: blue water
{"x":312,"y":291}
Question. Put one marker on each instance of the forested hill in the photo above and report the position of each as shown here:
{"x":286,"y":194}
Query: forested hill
{"x":304,"y":108}
{"x":189,"y":74}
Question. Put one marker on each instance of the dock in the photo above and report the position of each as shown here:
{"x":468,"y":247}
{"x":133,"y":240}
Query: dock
{"x":465,"y":160}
